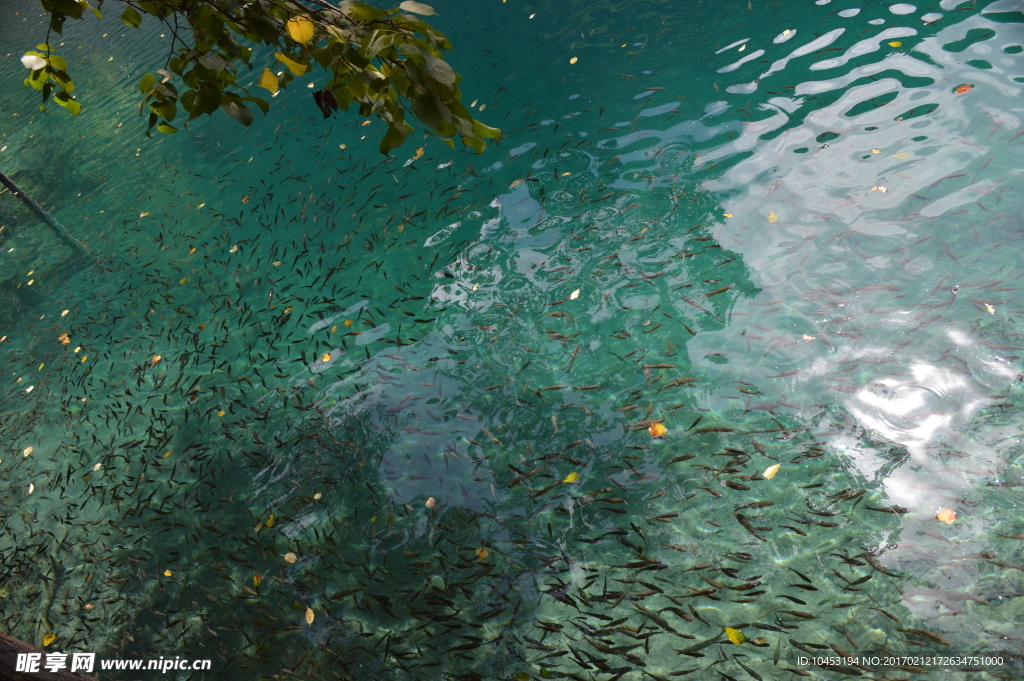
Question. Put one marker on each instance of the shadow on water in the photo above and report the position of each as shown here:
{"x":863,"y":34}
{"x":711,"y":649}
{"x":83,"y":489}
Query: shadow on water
{"x":329,"y":415}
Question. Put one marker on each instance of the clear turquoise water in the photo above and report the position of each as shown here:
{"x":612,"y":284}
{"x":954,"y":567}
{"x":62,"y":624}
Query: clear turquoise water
{"x":662,"y":167}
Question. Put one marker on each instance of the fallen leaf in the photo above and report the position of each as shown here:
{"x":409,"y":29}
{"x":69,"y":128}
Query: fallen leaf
{"x":89,"y":606}
{"x":574,"y":295}
{"x":772,"y":217}
{"x":573,"y":60}
{"x":771,"y":471}
{"x":515,"y":183}
{"x":48,"y":639}
{"x":419,"y":152}
{"x":326,"y":357}
{"x":31,"y":488}
{"x":156,"y":358}
{"x":963,"y":88}
{"x":28,"y":450}
{"x":233,"y":249}
{"x":257,"y":579}
{"x":895,"y":43}
{"x":97,"y":467}
{"x":167,"y":573}
{"x":657,"y":430}
{"x":728,"y":215}
{"x":277,"y":263}
{"x":317,"y":496}
{"x":572,"y":477}
{"x":366,"y":123}
{"x":221,"y":412}
{"x":946,"y":515}
{"x":879,"y":188}
{"x":989,"y":309}
{"x":270,"y":523}
{"x":431,"y":502}
{"x":290,"y":557}
{"x":735,"y":635}
{"x":64,"y":313}
{"x":808,"y":339}
{"x":481,"y":554}
{"x":786,"y":32}
{"x":901,"y":155}
{"x":310,"y":615}
{"x":348,"y":322}
{"x":142,"y":215}
{"x":876,"y":151}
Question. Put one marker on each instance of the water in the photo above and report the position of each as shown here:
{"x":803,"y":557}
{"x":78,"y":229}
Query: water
{"x":791,"y":205}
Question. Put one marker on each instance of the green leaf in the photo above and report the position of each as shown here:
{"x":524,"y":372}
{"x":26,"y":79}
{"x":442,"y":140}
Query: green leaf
{"x":523,"y":676}
{"x":70,"y":8}
{"x":475,"y":144}
{"x":240,"y":112}
{"x":417,"y":8}
{"x":485,"y":131}
{"x":167,"y":109}
{"x":45,"y":47}
{"x":58,"y":62}
{"x":130,"y":17}
{"x":167,"y":129}
{"x":147,"y":83}
{"x":395,"y":136}
{"x":263,"y":104}
{"x":68,"y":102}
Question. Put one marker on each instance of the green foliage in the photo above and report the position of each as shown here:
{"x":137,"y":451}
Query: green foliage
{"x":386,"y":62}
{"x":47,"y":72}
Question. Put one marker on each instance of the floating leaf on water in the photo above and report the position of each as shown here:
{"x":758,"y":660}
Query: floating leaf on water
{"x":64,"y":313}
{"x":876,"y":151}
{"x":28,"y":450}
{"x":895,"y":43}
{"x":523,"y":676}
{"x":515,"y":183}
{"x":880,"y":188}
{"x":326,"y":357}
{"x":257,"y":579}
{"x":310,"y":615}
{"x":431,"y":502}
{"x":481,"y":554}
{"x":901,"y":155}
{"x":989,"y":309}
{"x":786,"y":32}
{"x":946,"y":515}
{"x":221,"y":412}
{"x":348,"y":322}
{"x":572,"y":477}
{"x":144,"y":214}
{"x":963,"y":88}
{"x":728,"y":215}
{"x":317,"y":496}
{"x":288,"y":310}
{"x":167,"y":573}
{"x":808,"y":339}
{"x":574,"y":295}
{"x":290,"y":557}
{"x":300,"y":29}
{"x":48,"y":639}
{"x":366,"y":123}
{"x":156,"y":358}
{"x":270,"y":523}
{"x":419,"y":152}
{"x":571,"y":61}
{"x":657,"y":430}
{"x":31,"y":488}
{"x":233,"y":249}
{"x":99,"y":465}
{"x":772,"y":217}
{"x":771,"y":471}
{"x":735,"y":635}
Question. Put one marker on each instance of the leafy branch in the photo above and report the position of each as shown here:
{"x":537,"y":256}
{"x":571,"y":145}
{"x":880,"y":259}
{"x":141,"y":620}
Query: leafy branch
{"x":387,"y":62}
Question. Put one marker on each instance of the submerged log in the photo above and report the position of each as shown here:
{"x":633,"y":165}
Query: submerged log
{"x":9,"y":649}
{"x":59,"y":229}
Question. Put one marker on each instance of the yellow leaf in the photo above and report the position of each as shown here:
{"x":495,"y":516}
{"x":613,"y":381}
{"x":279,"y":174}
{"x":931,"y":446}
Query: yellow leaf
{"x":728,"y":215}
{"x":735,"y":635}
{"x":515,"y":183}
{"x":481,"y":554}
{"x":290,"y":557}
{"x":257,"y":579}
{"x":295,"y":67}
{"x":183,"y":280}
{"x":326,"y":357}
{"x":771,"y":471}
{"x":310,"y":615}
{"x":657,"y":430}
{"x":901,"y":155}
{"x":772,"y":217}
{"x":300,"y":29}
{"x":270,"y":523}
{"x":989,"y":309}
{"x":419,"y":152}
{"x":167,"y":573}
{"x":573,"y":60}
{"x":221,"y":412}
{"x":28,"y":450}
{"x":156,"y":358}
{"x":946,"y":515}
{"x":574,"y":295}
{"x":572,"y":477}
{"x":895,"y":43}
{"x":269,"y":81}
{"x":876,"y":151}
{"x":348,"y":322}
{"x":48,"y":639}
